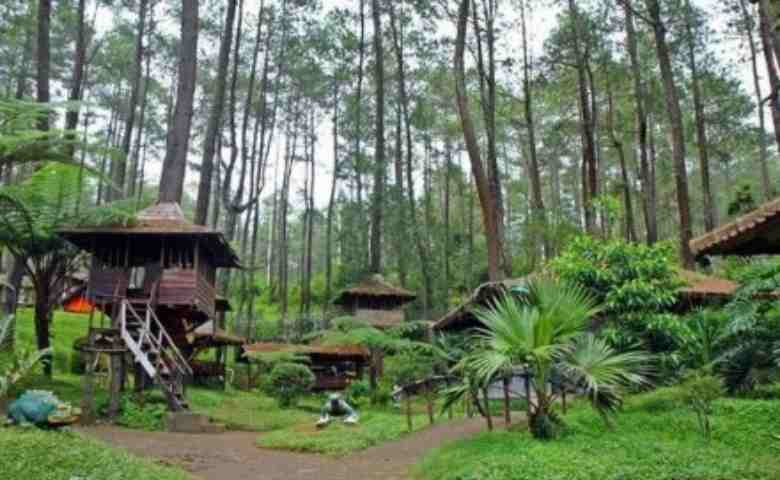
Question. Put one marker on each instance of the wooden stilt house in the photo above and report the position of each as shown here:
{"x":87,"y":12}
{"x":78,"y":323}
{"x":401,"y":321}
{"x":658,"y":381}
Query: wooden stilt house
{"x":153,"y":284}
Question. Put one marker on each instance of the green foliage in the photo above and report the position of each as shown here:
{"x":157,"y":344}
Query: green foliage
{"x":698,"y":392}
{"x":357,"y":392}
{"x":287,"y":382}
{"x":408,"y":367}
{"x":149,"y":415}
{"x":623,"y":277}
{"x":545,"y":333}
{"x":655,"y":438}
{"x":65,"y":455}
{"x":17,"y":364}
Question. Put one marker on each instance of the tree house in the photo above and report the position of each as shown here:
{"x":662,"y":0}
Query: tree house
{"x":155,"y":281}
{"x":375,"y":301}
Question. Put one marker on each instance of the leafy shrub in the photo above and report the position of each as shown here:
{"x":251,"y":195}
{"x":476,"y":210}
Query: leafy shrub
{"x":765,"y":392}
{"x":621,"y":276}
{"x":357,"y":392}
{"x":408,"y":367}
{"x":287,"y":382}
{"x":148,"y":416}
{"x":15,"y":365}
{"x":698,"y":392}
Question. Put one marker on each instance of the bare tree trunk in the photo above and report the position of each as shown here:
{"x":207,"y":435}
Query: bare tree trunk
{"x":677,"y":133}
{"x":358,"y":130}
{"x":175,"y":163}
{"x":76,"y":87}
{"x":214,"y":124}
{"x":379,"y":153}
{"x":137,"y":167}
{"x":589,"y":169}
{"x":43,"y":61}
{"x":630,"y":230}
{"x":487,"y":198}
{"x":135,"y":93}
{"x":648,"y":186}
{"x":332,"y":200}
{"x":422,"y":246}
{"x":710,"y":216}
{"x":771,"y":66}
{"x":749,"y":26}
{"x":537,"y":203}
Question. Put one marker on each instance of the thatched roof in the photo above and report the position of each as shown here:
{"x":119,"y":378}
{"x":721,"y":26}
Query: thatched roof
{"x":461,"y":317}
{"x":374,"y":286}
{"x":145,"y":235}
{"x":755,"y":233}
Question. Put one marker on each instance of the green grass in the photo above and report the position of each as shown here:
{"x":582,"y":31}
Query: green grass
{"x":250,"y":410}
{"x":65,"y":329}
{"x":654,"y":438}
{"x":32,"y":454}
{"x":375,"y":426}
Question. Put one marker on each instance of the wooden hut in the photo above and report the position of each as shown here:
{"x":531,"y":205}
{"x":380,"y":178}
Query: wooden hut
{"x":155,"y":280}
{"x":755,"y":233}
{"x":375,"y":301}
{"x":334,"y":366}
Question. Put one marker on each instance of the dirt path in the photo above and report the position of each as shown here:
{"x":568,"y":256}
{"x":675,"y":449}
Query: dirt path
{"x":234,"y":456}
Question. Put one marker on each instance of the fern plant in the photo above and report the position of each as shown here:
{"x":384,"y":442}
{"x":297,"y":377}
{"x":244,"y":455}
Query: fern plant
{"x":14,"y":366}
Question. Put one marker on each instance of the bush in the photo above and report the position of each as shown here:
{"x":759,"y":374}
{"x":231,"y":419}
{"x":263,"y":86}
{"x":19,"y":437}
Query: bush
{"x":357,"y":392}
{"x":287,"y":382}
{"x":698,"y":392}
{"x":623,"y":277}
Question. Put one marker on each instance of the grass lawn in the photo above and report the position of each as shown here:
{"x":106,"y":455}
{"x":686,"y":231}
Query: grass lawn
{"x":375,"y":426}
{"x":32,"y":454}
{"x":654,"y":438}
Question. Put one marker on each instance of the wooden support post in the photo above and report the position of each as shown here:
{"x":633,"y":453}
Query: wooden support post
{"x":408,"y":398}
{"x":429,"y":403}
{"x":88,"y":385}
{"x":563,"y":399}
{"x":507,"y":403}
{"x":116,"y":384}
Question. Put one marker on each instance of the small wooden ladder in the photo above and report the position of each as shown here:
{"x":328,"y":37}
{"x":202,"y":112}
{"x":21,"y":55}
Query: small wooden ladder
{"x":154,"y":350}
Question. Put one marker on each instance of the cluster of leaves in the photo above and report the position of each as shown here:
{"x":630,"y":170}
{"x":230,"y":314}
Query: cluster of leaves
{"x":287,"y":382}
{"x":545,"y":334}
{"x":622,"y":277}
{"x":699,"y":392}
{"x":17,"y":364}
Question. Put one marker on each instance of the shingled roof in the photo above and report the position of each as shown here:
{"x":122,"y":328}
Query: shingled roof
{"x":755,"y":233}
{"x":374,"y":286}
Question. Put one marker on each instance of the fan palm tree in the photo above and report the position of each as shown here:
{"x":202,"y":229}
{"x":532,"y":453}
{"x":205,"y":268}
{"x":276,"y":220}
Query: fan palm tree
{"x":546,"y":333}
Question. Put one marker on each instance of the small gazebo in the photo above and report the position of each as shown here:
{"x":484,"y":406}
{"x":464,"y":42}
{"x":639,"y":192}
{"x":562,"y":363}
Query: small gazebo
{"x":375,"y":301}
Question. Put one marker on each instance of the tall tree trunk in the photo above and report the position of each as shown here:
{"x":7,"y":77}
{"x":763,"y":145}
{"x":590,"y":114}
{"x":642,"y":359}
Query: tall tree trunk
{"x":135,"y":94}
{"x":589,"y":168}
{"x":332,"y":201}
{"x":630,"y":230}
{"x":214,"y":124}
{"x":710,"y":216}
{"x":363,"y":237}
{"x":175,"y":162}
{"x":648,"y":183}
{"x":43,"y":61}
{"x":677,"y":133}
{"x":379,"y":133}
{"x":771,"y":66}
{"x":537,"y":203}
{"x":137,"y":166}
{"x":421,"y":245}
{"x":487,"y":198}
{"x":749,"y":26}
{"x":400,"y":234}
{"x":76,"y":87}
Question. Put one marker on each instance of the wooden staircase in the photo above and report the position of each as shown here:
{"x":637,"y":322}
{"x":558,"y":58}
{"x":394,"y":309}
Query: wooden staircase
{"x":154,"y":350}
